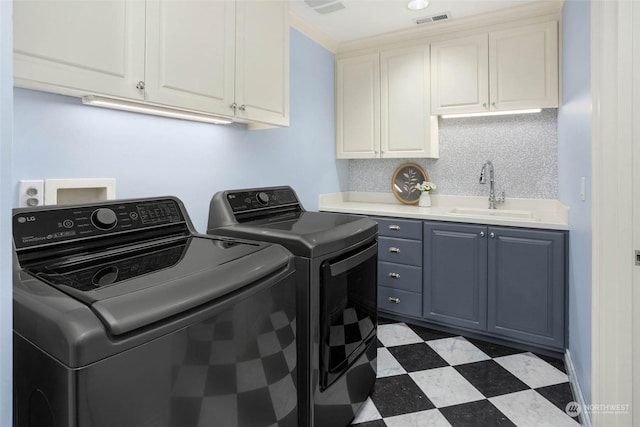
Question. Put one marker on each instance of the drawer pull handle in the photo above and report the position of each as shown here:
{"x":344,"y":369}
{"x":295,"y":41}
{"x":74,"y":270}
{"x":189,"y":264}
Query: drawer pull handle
{"x":394,"y":227}
{"x":394,"y":300}
{"x":394,"y":275}
{"x":394,"y":250}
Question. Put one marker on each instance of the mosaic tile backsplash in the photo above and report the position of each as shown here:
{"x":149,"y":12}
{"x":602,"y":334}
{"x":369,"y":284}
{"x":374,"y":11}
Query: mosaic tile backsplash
{"x":523,"y":149}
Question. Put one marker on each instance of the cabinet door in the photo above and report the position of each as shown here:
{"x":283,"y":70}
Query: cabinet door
{"x":262,"y":61}
{"x":406,"y":125}
{"x":524,"y":67}
{"x":459,"y":75}
{"x":526,"y":296}
{"x":455,"y":274}
{"x":358,"y":107}
{"x":190,"y":54}
{"x":79,"y":47}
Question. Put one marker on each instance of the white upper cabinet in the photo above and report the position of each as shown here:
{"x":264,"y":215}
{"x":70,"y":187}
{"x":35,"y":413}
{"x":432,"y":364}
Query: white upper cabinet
{"x":406,"y":125}
{"x":190,"y":54}
{"x":500,"y":70}
{"x":262,"y":61}
{"x":358,"y":107}
{"x":523,"y":67}
{"x":223,"y":57}
{"x":382,"y":106}
{"x":460,"y":75}
{"x":89,"y":46}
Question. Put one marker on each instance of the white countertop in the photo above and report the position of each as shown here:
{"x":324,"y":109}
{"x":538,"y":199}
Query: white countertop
{"x":530,"y":213}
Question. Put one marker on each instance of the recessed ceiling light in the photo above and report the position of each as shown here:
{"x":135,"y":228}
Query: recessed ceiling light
{"x":418,"y":4}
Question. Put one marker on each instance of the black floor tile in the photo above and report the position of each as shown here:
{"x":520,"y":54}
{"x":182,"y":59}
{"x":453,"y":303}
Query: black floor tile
{"x":493,"y":350}
{"x":490,"y":378}
{"x":558,"y":394}
{"x":475,"y":414}
{"x":385,"y":321}
{"x":417,"y":357}
{"x":399,"y":395}
{"x":379,"y":344}
{"x":430,"y":334}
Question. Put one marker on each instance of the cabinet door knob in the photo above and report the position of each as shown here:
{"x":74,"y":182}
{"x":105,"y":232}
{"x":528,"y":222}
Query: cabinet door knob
{"x":233,"y":106}
{"x":242,"y":107}
{"x":484,"y":104}
{"x":394,"y":300}
{"x":482,"y":234}
{"x":493,"y":103}
{"x":140,"y":85}
{"x":492,"y":235}
{"x":394,"y":275}
{"x":394,"y":250}
{"x":394,"y":227}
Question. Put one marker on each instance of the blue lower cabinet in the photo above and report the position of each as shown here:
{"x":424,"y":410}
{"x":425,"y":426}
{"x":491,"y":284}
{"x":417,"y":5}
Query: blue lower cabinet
{"x":399,"y":276}
{"x":526,"y":298}
{"x":503,"y":282}
{"x":455,"y":274}
{"x":399,"y":301}
{"x":400,"y":266}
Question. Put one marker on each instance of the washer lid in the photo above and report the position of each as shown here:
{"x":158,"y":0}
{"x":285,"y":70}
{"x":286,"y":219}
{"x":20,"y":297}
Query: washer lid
{"x":308,"y":234}
{"x":134,"y":288}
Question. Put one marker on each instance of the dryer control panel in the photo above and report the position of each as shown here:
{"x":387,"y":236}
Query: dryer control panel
{"x":53,"y":224}
{"x":261,"y":198}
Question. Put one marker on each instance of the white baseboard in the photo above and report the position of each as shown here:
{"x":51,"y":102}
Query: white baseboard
{"x":585,"y":418}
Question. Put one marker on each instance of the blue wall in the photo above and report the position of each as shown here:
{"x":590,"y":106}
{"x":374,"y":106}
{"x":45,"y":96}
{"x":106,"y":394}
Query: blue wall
{"x":574,"y":162}
{"x":58,"y":137}
{"x":6,"y":119}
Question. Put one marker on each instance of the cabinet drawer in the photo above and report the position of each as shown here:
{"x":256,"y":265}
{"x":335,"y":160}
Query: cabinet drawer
{"x":399,"y":301}
{"x":403,"y":228}
{"x":401,"y":251}
{"x":398,"y":276}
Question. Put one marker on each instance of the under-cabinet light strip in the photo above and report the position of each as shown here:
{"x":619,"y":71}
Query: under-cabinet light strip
{"x":491,"y":113}
{"x":135,"y":107}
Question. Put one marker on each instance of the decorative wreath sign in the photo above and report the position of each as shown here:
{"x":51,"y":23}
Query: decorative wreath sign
{"x":404,"y":181}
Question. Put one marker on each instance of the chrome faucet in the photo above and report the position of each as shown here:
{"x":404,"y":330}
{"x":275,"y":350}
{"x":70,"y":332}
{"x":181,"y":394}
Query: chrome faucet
{"x":488,"y":166}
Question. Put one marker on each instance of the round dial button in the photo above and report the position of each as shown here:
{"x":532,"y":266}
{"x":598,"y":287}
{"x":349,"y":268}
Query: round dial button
{"x":104,"y":219}
{"x":262,"y":197}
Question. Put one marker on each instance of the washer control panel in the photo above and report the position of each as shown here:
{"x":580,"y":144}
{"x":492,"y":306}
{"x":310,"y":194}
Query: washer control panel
{"x":261,"y":198}
{"x":42,"y":226}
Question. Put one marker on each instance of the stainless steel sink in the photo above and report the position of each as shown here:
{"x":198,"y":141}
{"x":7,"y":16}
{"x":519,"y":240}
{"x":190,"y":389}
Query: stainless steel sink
{"x":495,"y":213}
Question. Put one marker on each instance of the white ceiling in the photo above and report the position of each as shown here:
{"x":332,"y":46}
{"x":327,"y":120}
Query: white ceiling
{"x":363,"y":18}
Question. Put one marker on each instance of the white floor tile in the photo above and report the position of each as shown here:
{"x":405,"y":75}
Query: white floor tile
{"x":430,"y":418}
{"x":532,"y":370}
{"x":457,"y":350}
{"x":445,"y":386}
{"x":368,"y":412}
{"x":388,"y":365}
{"x":397,"y":334}
{"x":529,"y":409}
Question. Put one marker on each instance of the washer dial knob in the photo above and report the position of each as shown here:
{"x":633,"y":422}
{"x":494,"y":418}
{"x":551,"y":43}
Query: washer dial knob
{"x":104,"y":218}
{"x":262,"y":197}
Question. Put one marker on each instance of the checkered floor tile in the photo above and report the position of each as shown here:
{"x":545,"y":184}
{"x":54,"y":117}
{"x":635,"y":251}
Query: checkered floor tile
{"x":429,"y":378}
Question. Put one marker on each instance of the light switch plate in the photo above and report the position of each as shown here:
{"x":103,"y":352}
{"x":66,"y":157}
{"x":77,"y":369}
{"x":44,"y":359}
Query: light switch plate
{"x":31,"y":193}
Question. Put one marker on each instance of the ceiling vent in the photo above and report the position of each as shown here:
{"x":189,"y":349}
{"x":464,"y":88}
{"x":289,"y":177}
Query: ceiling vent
{"x":324,"y":6}
{"x":434,"y":18}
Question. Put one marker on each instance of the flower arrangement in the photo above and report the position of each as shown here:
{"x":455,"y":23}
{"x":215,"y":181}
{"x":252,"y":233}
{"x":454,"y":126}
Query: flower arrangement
{"x":425,"y":186}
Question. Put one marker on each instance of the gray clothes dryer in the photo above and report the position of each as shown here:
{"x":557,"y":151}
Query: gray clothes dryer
{"x":336,"y":269}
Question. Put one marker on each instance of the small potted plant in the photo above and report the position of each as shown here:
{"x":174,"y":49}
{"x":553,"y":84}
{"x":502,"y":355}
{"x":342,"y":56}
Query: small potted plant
{"x":425,"y":193}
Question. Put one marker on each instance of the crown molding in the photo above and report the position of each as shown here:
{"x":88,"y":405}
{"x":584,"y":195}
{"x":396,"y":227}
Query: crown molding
{"x":323,"y":39}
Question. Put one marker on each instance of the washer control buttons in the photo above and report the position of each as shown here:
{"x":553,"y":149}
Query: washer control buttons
{"x":104,"y":219}
{"x":67,"y":223}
